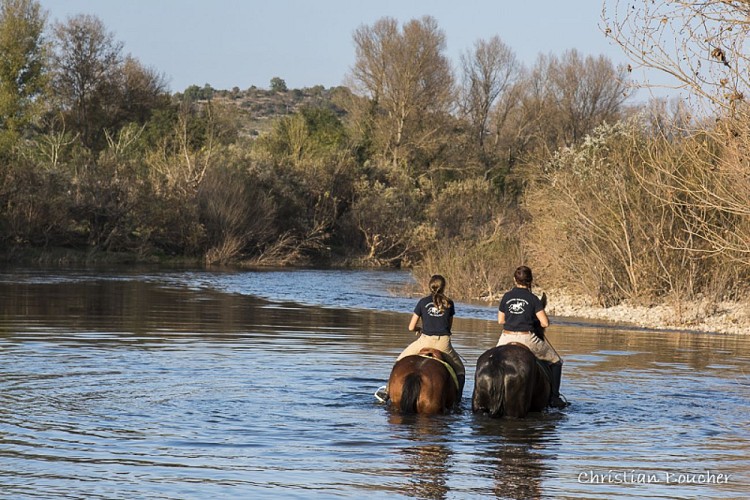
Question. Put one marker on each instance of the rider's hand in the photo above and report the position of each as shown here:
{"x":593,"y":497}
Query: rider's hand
{"x":417,"y":331}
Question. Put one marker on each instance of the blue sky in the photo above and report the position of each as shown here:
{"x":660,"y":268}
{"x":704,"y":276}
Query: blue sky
{"x":229,"y":43}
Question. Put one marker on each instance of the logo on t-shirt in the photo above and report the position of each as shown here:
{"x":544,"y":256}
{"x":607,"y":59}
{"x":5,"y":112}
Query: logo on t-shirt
{"x":517,"y":306}
{"x":433,"y":310}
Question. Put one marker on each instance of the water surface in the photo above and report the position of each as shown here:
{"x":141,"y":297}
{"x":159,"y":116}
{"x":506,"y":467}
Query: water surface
{"x":192,"y":384}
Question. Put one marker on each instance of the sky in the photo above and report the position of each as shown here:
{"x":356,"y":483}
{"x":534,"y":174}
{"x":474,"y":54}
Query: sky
{"x":241,"y":43}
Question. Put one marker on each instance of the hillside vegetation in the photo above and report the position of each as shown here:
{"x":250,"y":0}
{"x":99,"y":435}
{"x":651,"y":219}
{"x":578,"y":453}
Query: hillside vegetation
{"x":466,"y":173}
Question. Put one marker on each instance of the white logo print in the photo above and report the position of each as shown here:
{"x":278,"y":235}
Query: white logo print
{"x":517,"y":306}
{"x":433,"y":310}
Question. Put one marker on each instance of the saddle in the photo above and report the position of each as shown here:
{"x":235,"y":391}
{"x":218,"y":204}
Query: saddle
{"x":543,"y":365}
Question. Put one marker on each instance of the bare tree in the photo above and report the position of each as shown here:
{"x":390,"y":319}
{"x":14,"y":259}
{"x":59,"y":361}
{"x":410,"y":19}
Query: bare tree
{"x":565,"y":98}
{"x":701,"y":44}
{"x":708,"y":189}
{"x":406,"y":79}
{"x":489,"y":71}
{"x":587,"y":91}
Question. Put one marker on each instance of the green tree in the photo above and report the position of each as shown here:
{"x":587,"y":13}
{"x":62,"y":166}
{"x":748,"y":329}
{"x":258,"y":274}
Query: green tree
{"x":98,"y":90}
{"x":311,"y":134}
{"x":22,"y":71}
{"x":310,"y":170}
{"x":86,"y":64}
{"x":141,"y":91}
{"x":192,"y":93}
{"x":278,"y":85}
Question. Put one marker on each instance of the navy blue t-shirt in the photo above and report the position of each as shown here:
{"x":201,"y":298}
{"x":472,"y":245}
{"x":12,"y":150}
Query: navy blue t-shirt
{"x":520,"y":307}
{"x":434,"y":321}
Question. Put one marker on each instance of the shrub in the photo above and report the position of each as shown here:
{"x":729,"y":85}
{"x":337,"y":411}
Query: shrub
{"x":627,"y":215}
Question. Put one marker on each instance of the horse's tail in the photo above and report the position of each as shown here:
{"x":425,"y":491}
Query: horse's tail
{"x":410,"y":393}
{"x":489,"y":390}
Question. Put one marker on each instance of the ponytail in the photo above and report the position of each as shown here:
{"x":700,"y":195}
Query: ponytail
{"x":523,"y":276}
{"x":437,"y":287}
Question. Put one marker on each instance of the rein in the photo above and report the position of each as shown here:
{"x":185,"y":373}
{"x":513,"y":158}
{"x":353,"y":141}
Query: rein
{"x":450,"y":369}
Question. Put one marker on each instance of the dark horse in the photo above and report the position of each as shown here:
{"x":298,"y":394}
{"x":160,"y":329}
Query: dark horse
{"x":509,"y":382}
{"x":423,"y":383}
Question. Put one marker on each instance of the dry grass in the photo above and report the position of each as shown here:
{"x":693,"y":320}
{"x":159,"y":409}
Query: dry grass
{"x":629,"y":217}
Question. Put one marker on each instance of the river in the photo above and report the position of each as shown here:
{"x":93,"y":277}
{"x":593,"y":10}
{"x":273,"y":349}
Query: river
{"x":181,"y":384}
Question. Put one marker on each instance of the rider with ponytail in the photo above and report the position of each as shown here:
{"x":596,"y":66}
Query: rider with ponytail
{"x":436,"y":312}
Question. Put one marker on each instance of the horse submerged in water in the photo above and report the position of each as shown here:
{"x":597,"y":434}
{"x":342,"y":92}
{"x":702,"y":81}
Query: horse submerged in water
{"x":423,"y":383}
{"x":509,"y":381}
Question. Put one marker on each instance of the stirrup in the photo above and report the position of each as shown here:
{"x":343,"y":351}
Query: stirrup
{"x":558,"y":402}
{"x":381,"y":395}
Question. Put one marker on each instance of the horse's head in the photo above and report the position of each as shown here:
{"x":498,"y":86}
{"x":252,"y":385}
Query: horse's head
{"x":538,"y":330}
{"x":432,"y":353}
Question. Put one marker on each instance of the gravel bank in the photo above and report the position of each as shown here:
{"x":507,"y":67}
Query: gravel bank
{"x":707,"y":316}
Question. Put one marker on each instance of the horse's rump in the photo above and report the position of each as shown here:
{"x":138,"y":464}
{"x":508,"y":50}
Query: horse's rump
{"x":509,"y":382}
{"x":421,"y":384}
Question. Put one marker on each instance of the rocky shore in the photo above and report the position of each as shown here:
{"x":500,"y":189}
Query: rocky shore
{"x":705,"y":316}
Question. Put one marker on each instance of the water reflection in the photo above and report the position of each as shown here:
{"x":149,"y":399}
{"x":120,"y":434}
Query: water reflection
{"x":517,"y":461}
{"x":426,"y":459}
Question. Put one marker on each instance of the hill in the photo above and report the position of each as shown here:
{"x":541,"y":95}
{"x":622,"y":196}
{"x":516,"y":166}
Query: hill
{"x":258,"y":108}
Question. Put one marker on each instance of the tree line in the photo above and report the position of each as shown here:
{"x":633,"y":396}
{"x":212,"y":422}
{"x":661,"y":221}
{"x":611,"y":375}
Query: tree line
{"x":466,"y":171}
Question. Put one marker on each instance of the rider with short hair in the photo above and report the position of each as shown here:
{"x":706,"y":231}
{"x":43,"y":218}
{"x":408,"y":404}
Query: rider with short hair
{"x":523,"y":318}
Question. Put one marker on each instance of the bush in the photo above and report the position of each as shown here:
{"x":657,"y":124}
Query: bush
{"x":389,"y":222}
{"x":474,"y":269}
{"x":463,"y":208}
{"x":237,"y":215}
{"x":476,"y":245}
{"x":622,"y":217}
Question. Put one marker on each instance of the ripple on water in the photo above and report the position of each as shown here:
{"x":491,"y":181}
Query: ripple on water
{"x":182,"y":385}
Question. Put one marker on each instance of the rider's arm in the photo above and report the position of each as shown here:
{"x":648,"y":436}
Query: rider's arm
{"x":543,"y":319}
{"x":413,"y":323}
{"x":500,"y":317}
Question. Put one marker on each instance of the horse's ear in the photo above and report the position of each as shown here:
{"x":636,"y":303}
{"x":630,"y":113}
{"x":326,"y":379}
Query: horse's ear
{"x":543,"y":298}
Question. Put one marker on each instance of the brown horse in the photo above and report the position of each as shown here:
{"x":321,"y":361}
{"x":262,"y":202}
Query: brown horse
{"x":509,"y":382}
{"x":423,"y":383}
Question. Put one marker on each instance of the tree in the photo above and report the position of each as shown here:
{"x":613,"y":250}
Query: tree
{"x":22,"y":72}
{"x":700,"y":44}
{"x":387,"y":221}
{"x":407,"y":81}
{"x":278,"y":85}
{"x":488,"y":72}
{"x":86,"y":64}
{"x":141,"y":91}
{"x":565,"y":98}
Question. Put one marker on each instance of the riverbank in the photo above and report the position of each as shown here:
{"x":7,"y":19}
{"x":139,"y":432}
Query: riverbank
{"x":705,"y":316}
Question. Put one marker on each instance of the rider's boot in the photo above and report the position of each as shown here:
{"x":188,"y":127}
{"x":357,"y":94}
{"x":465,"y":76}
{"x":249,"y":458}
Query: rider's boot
{"x":555,"y":400}
{"x":461,"y":381}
